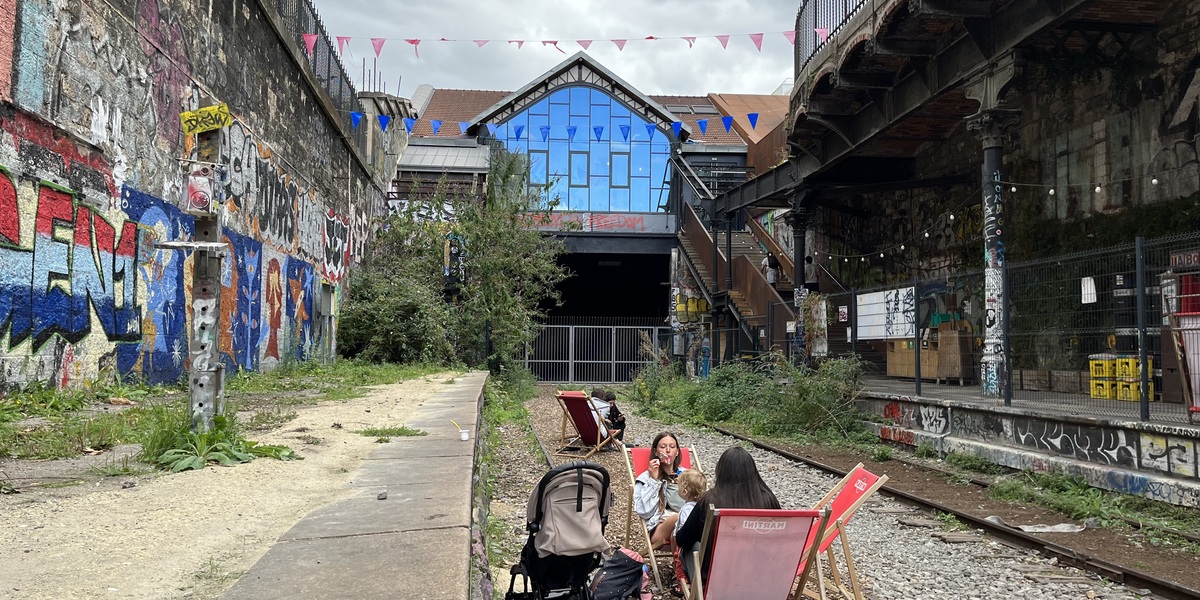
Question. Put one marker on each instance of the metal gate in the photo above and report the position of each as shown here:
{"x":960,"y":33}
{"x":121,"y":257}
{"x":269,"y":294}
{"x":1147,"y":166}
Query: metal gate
{"x":590,"y":353}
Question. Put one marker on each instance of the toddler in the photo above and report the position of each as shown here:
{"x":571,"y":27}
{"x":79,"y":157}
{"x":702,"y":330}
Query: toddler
{"x":692,"y":484}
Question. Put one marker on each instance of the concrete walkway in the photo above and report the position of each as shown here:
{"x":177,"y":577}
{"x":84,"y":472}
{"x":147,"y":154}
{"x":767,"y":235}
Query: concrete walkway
{"x":414,"y":544}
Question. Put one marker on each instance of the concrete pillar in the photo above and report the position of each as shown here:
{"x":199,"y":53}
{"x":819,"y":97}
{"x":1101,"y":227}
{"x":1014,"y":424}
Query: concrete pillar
{"x":991,"y":124}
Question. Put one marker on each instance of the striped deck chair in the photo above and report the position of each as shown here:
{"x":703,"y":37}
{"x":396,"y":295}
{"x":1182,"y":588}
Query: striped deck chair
{"x":638,"y":460}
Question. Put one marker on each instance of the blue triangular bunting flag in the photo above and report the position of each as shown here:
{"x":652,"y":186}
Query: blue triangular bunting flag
{"x":491,"y":128}
{"x":703,"y":123}
{"x":518,"y":130}
{"x":650,"y":129}
{"x":383,"y":121}
{"x":727,"y":122}
{"x":408,"y":124}
{"x":436,"y":125}
{"x":625,"y":132}
{"x":355,"y":117}
{"x":599,"y":129}
{"x":753,"y":119}
{"x":571,"y":129}
{"x":676,"y":126}
{"x":463,"y":126}
{"x":545,"y":132}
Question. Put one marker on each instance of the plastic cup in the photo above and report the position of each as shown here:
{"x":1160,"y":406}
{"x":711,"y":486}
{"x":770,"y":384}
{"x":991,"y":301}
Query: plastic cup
{"x":464,"y":435}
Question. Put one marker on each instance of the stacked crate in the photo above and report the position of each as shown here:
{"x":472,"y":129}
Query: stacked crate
{"x":1103,"y":369}
{"x":1129,"y":377}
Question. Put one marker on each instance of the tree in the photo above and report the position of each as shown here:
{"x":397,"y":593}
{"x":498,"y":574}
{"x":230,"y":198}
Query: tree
{"x":508,"y":269}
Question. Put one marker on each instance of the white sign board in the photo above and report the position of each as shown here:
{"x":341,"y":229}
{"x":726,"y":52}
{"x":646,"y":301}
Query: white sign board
{"x":887,"y":315}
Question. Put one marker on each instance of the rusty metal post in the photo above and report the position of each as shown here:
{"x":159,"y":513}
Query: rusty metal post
{"x":206,"y":381}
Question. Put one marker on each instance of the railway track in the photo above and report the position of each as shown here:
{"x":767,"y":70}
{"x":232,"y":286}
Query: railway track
{"x":1068,"y":556}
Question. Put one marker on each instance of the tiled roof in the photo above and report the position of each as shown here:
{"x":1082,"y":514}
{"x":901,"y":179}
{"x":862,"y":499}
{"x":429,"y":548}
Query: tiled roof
{"x":716,"y":130}
{"x":772,"y":110}
{"x":453,"y":106}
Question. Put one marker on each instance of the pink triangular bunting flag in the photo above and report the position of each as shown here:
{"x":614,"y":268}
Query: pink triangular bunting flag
{"x":757,"y":39}
{"x":650,"y":37}
{"x":823,"y":33}
{"x":552,"y":43}
{"x":341,"y":40}
{"x":620,"y":44}
{"x":724,"y":39}
{"x":377,"y":44}
{"x":791,"y":37}
{"x":519,"y":43}
{"x":415,"y":45}
{"x":310,"y":40}
{"x":481,"y":43}
{"x":585,"y":43}
{"x":691,"y":40}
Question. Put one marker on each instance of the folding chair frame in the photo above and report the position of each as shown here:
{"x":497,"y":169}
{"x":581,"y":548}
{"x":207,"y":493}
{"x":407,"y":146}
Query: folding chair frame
{"x":567,"y":445}
{"x":630,"y":516}
{"x":838,"y":528}
{"x":810,"y":559}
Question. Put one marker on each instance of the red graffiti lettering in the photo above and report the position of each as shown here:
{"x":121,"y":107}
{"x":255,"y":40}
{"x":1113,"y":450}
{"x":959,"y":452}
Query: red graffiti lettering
{"x":10,"y":219}
{"x":55,"y":207}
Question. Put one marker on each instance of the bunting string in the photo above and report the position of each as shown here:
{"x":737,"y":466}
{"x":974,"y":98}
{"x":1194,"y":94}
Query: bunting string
{"x":377,"y":43}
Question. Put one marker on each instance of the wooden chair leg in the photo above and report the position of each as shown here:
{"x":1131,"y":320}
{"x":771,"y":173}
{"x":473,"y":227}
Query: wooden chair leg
{"x":697,"y":584}
{"x":835,"y":578}
{"x":650,"y":555}
{"x":851,"y":573}
{"x":817,"y":577}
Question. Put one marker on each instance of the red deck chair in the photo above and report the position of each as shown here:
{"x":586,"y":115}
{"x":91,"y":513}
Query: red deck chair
{"x":842,"y":501}
{"x":590,"y":436}
{"x":756,"y":553}
{"x":638,"y":460}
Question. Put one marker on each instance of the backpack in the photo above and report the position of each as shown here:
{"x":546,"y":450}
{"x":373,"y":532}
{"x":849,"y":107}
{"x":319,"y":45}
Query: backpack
{"x":620,"y":577}
{"x":772,"y":262}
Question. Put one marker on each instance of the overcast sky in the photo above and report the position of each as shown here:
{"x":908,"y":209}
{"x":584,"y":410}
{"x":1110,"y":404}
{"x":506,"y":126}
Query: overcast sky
{"x":653,"y":67}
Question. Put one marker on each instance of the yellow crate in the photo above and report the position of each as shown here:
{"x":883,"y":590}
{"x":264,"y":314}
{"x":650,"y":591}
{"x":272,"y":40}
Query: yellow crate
{"x":1130,"y":391}
{"x":1104,"y":389}
{"x":1103,"y":367}
{"x":1129,"y":366}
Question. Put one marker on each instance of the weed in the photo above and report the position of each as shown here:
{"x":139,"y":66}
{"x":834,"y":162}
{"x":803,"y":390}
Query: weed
{"x":951,"y":522}
{"x":383,"y":440}
{"x":270,"y":418}
{"x":881,"y":453}
{"x":63,"y":484}
{"x":925,"y":450}
{"x":311,"y":440}
{"x":126,"y":466}
{"x":450,"y":381}
{"x":400,"y":431}
{"x":974,"y":462}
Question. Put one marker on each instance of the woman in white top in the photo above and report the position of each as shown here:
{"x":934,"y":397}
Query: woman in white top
{"x":655,"y":493}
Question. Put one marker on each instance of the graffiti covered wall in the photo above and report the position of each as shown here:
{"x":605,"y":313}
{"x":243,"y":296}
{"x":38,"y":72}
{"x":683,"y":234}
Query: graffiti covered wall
{"x":92,"y":175}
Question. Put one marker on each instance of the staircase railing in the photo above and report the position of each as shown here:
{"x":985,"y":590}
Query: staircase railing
{"x":694,"y":229}
{"x":760,"y":296}
{"x":765,"y":238}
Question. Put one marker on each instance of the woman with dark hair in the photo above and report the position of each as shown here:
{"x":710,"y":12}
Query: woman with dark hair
{"x":655,"y":493}
{"x":738,"y":485}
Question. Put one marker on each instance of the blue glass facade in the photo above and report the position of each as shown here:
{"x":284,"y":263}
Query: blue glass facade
{"x":593,"y":151}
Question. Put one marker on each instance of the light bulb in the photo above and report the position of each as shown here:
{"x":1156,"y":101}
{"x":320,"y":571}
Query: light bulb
{"x":1154,"y":181}
{"x":880,"y":255}
{"x":1051,"y":191}
{"x":926,"y":234}
{"x":951,"y":216}
{"x":1097,"y":189}
{"x":1014,"y":189}
{"x":901,"y":246}
{"x":862,"y":259}
{"x":845,"y":260}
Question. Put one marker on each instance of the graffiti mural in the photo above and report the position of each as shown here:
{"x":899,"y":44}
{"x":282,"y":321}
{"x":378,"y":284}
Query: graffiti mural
{"x":979,"y":425}
{"x":927,"y":418}
{"x":1168,"y":454}
{"x":1092,"y":444}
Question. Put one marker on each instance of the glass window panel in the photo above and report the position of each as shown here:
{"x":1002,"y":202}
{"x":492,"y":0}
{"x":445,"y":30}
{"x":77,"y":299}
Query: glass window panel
{"x":600,"y":159}
{"x":559,"y":118}
{"x":579,"y":199}
{"x":541,"y":108}
{"x":639,"y":194}
{"x":581,"y":102}
{"x":579,"y":169}
{"x":558,"y":192}
{"x":639,"y":164}
{"x":619,"y":199}
{"x":600,"y":116}
{"x":538,"y":168}
{"x":559,"y":160}
{"x":600,"y":195}
{"x":620,"y":170}
{"x":561,"y":96}
{"x":658,"y":168}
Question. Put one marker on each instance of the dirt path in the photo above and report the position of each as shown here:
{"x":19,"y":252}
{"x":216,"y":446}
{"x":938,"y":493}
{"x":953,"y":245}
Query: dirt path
{"x":190,"y":534}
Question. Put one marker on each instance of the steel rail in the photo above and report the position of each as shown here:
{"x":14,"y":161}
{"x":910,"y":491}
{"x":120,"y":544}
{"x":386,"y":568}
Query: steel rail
{"x":1069,"y":556}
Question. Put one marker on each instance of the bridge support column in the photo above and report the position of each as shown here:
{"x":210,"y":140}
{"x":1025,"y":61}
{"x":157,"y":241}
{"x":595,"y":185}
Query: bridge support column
{"x":991,"y":124}
{"x":800,"y":218}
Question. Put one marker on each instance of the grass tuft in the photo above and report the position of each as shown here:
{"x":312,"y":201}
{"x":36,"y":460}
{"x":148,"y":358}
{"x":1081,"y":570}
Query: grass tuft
{"x":399,"y":431}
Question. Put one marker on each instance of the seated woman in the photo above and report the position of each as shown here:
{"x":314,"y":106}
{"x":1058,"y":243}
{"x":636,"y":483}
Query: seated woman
{"x":738,"y":485}
{"x":655,"y":493}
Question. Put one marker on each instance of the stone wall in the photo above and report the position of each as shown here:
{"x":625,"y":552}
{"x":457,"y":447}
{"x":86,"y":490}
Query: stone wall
{"x":92,"y":165}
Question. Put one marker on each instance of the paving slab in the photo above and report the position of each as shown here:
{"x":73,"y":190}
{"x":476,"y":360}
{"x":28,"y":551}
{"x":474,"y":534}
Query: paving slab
{"x":415,"y":543}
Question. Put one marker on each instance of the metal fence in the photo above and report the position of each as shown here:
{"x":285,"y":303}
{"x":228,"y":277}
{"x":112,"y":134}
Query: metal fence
{"x":594,"y":350}
{"x":817,"y":22}
{"x":1083,"y":332}
{"x":300,"y":17}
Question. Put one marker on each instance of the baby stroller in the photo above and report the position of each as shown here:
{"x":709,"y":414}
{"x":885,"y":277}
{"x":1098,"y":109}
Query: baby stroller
{"x":565,"y":517}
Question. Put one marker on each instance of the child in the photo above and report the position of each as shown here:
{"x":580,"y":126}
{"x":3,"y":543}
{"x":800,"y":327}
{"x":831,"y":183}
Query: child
{"x":616,"y":420}
{"x":691,"y":486}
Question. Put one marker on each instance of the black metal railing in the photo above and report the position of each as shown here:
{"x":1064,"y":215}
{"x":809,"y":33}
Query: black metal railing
{"x":300,"y":17}
{"x":826,"y":15}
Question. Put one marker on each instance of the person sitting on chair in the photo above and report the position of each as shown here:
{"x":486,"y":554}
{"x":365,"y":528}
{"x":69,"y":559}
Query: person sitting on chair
{"x":738,"y":485}
{"x":616,"y":419}
{"x":655,"y":493}
{"x":603,"y":410}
